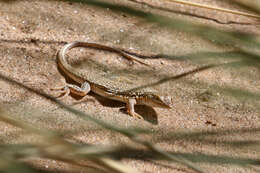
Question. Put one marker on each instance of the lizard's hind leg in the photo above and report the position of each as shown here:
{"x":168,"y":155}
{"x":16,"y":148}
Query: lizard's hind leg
{"x":71,"y":88}
{"x":63,"y":91}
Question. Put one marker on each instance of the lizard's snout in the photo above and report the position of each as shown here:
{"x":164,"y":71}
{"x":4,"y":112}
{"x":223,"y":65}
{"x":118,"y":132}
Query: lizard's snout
{"x":166,"y":101}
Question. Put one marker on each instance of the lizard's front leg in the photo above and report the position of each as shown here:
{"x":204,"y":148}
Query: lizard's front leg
{"x":131,"y":110}
{"x":70,"y":88}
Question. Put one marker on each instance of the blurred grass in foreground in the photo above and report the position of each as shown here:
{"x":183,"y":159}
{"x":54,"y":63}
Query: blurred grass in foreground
{"x":56,"y":147}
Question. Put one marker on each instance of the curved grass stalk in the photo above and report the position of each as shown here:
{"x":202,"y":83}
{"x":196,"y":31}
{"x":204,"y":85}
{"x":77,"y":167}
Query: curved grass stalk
{"x":215,"y":8}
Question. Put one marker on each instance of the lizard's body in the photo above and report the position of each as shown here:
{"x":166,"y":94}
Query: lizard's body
{"x":130,"y":98}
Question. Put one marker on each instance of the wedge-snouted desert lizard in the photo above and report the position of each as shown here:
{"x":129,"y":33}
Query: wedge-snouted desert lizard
{"x":130,"y":98}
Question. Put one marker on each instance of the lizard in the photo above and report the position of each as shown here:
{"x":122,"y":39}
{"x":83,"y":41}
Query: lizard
{"x":130,"y":98}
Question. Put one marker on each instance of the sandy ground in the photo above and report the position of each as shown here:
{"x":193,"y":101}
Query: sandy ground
{"x":32,"y":31}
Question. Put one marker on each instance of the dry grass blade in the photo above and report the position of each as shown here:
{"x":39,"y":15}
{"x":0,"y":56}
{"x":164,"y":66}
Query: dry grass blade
{"x":213,"y":35}
{"x":215,"y":8}
{"x":175,"y":77}
{"x":57,"y":147}
{"x":249,"y":4}
{"x":166,"y":155}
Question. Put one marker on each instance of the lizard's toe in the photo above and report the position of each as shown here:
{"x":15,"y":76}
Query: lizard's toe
{"x":136,"y":115}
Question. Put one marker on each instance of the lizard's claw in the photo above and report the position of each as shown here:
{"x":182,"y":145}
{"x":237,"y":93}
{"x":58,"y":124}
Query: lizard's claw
{"x":135,"y":115}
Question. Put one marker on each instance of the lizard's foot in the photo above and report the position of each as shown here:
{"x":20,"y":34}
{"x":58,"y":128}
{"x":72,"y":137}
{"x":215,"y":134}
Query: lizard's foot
{"x":63,"y":91}
{"x":135,"y":115}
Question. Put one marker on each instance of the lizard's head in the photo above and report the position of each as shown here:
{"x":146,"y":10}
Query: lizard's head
{"x":153,"y":100}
